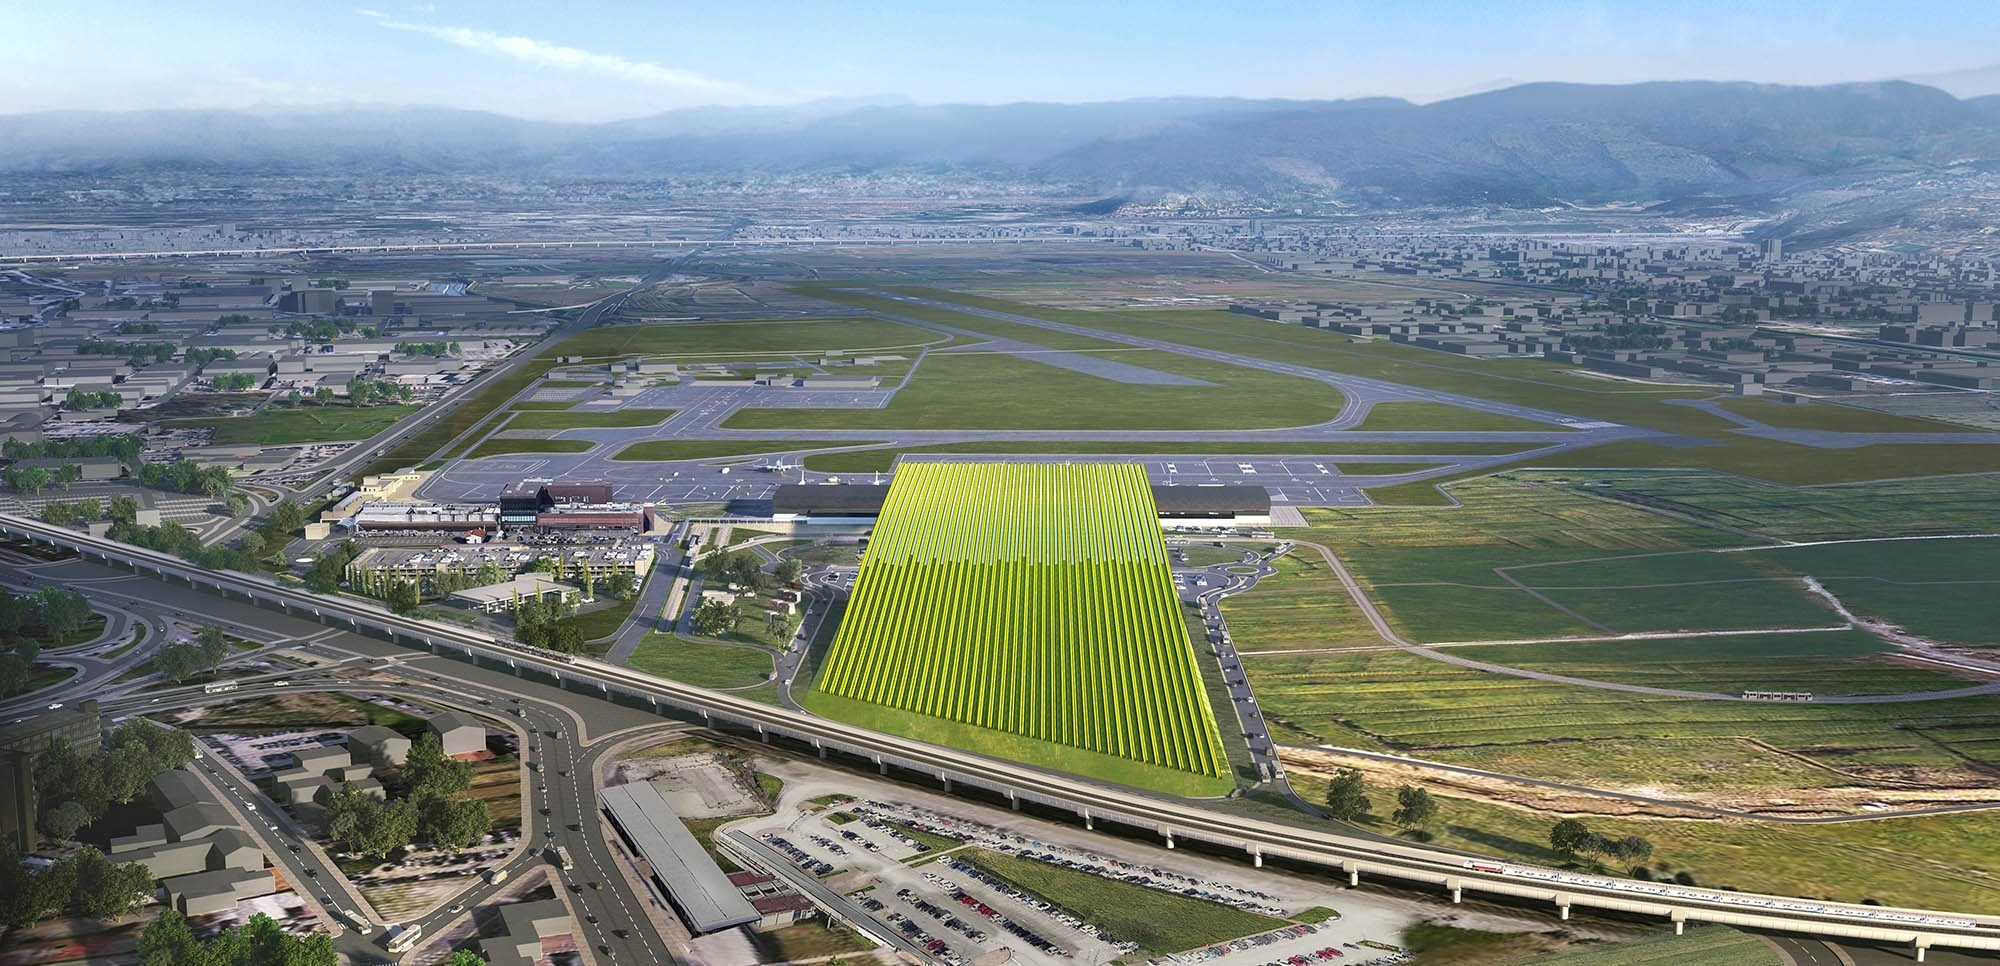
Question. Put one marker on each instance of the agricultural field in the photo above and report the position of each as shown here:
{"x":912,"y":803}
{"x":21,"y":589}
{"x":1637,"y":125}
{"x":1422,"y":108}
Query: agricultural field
{"x":1824,"y":663}
{"x":1912,"y":507}
{"x":1031,"y":600}
{"x":1433,"y":571}
{"x":1407,"y":704}
{"x":282,"y":426}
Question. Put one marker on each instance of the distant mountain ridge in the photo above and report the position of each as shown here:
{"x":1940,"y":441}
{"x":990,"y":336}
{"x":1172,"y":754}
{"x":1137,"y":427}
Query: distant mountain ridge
{"x":1528,"y":145}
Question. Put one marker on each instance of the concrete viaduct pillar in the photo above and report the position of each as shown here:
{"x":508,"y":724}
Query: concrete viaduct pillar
{"x":1562,"y":905}
{"x":1680,"y":921}
{"x":1923,"y":945}
{"x":1457,"y":888}
{"x":1353,"y":872}
{"x":1256,"y":857}
{"x":1088,"y":822}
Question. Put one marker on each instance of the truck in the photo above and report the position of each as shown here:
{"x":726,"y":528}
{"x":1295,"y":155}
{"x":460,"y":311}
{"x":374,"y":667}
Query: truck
{"x":562,"y":859}
{"x":496,"y":876}
{"x":218,"y":687}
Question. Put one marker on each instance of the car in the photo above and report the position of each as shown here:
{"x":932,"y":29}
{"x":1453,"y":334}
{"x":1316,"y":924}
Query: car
{"x":312,"y":873}
{"x":576,"y":887}
{"x":456,"y":907}
{"x":621,"y":933}
{"x":294,"y":847}
{"x":593,"y":885}
{"x":250,"y":805}
{"x":590,"y":917}
{"x":56,"y":706}
{"x":604,"y":948}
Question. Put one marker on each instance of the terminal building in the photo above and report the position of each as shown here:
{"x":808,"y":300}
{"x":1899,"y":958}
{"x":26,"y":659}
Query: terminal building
{"x":449,"y":517}
{"x":524,"y":501}
{"x":1179,"y":507}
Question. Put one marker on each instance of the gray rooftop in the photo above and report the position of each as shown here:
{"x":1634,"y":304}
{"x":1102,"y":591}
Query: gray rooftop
{"x":698,"y":887}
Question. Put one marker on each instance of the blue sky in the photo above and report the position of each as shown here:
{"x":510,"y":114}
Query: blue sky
{"x":596,"y":61}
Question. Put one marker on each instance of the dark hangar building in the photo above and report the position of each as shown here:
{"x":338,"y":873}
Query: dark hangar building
{"x":1180,"y":507}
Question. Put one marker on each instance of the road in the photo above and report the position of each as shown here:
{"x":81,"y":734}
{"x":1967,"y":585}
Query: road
{"x":1323,"y":846}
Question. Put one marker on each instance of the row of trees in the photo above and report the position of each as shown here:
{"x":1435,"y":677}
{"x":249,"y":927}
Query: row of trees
{"x":77,"y":787}
{"x":17,"y":665}
{"x":83,"y":882}
{"x":186,"y":476}
{"x":202,"y":357}
{"x":62,"y":513}
{"x":182,"y":660}
{"x":368,"y":392}
{"x":438,"y":348}
{"x":235,"y":381}
{"x":540,"y":623}
{"x":57,"y":612}
{"x":124,"y":446}
{"x":430,"y":807}
{"x":34,"y":479}
{"x":171,"y":537}
{"x":1347,"y":800}
{"x":1573,"y":838}
{"x":171,"y":941}
{"x":84,"y":399}
{"x":136,"y":353}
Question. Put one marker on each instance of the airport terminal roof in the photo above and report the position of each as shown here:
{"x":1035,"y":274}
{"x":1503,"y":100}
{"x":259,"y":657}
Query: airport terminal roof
{"x":698,"y":887}
{"x":1211,"y":499}
{"x":840,"y":499}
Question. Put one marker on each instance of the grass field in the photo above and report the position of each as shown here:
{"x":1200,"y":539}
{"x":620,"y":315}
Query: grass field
{"x":510,"y":447}
{"x":571,"y":419}
{"x":662,"y":450}
{"x":1160,"y":922}
{"x":1937,"y":862}
{"x":1433,"y":572}
{"x":700,"y":663}
{"x":880,"y":460}
{"x":1303,"y":606}
{"x":1032,"y":600}
{"x":280,"y":426}
{"x":1701,"y":946}
{"x":1834,"y":417}
{"x":1404,"y":703}
{"x":1545,"y":384}
{"x":722,"y":341}
{"x":997,"y":391}
{"x":1440,"y":417}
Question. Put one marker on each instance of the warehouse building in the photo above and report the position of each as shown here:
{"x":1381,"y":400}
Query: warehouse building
{"x":684,"y":872}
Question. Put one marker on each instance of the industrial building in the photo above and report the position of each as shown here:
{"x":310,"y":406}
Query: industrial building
{"x":681,"y":869}
{"x":449,"y":517}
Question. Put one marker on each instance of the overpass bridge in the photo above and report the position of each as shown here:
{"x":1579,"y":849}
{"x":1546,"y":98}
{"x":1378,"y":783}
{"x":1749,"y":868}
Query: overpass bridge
{"x":1175,"y":820}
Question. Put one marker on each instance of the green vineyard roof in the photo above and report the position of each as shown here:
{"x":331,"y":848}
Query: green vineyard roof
{"x":1031,"y":599}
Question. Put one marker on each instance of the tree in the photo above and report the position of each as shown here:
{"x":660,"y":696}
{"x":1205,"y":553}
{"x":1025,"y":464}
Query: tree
{"x":169,"y":941}
{"x":714,"y":617}
{"x":124,"y":510}
{"x":403,"y":597}
{"x":451,"y":823}
{"x":428,"y":769}
{"x":1571,"y":837}
{"x":109,"y":891}
{"x":621,"y":584}
{"x":1346,"y":797}
{"x":1414,"y":807}
{"x":1631,"y":848}
{"x":65,"y":820}
{"x":465,"y":957}
{"x":237,"y":504}
{"x":789,"y":569}
{"x":564,"y":637}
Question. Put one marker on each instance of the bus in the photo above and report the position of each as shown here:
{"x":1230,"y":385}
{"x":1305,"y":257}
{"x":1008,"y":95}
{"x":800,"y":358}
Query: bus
{"x":405,"y":939}
{"x":563,"y":860}
{"x":218,"y":687}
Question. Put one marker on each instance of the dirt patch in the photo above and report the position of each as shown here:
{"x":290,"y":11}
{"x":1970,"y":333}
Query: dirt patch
{"x":1857,"y":800}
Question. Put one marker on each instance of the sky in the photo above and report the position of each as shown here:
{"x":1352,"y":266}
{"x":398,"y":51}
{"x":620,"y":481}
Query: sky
{"x":599,"y":61}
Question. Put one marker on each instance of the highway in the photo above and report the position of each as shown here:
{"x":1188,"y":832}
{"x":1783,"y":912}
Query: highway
{"x":1172,"y":818}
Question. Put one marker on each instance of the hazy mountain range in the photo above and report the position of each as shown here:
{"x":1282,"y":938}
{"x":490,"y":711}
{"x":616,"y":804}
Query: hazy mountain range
{"x":1529,"y":145}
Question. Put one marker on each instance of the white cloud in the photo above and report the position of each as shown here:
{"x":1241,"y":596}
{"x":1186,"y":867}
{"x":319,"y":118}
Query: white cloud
{"x":542,"y":53}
